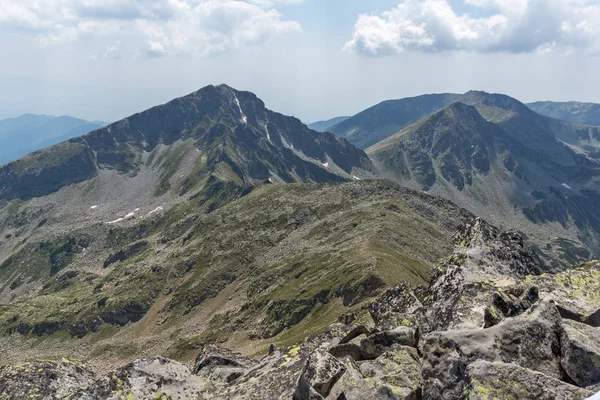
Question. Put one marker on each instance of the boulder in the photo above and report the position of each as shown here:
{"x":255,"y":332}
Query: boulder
{"x":487,"y":380}
{"x":321,"y":373}
{"x":377,"y":344}
{"x":580,"y":349}
{"x":351,"y":350}
{"x":354,"y":386}
{"x":221,"y":365}
{"x":398,"y":306}
{"x":398,"y":368}
{"x":153,"y":378}
{"x":530,"y":340}
{"x":44,"y":379}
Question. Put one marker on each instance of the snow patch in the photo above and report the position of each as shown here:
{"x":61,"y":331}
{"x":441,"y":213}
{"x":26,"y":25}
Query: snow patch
{"x":356,"y":178}
{"x":93,"y":207}
{"x":125,"y":218}
{"x":326,"y":165}
{"x":244,"y":118}
{"x":157,"y":209}
{"x":567,"y":186}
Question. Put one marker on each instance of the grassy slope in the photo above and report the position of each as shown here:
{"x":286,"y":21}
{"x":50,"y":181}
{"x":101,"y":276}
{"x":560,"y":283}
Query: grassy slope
{"x":278,"y":264}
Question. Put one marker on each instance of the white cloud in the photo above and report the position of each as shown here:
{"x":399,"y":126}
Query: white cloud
{"x":513,"y":26}
{"x":163,"y":26}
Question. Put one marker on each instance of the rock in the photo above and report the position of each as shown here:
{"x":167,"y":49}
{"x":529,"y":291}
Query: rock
{"x":354,"y":386}
{"x":530,"y":340}
{"x":321,"y":373}
{"x":351,"y":350}
{"x":221,"y":365}
{"x":484,"y":261}
{"x":347,"y":318}
{"x":399,"y":368}
{"x":580,"y":348}
{"x":43,"y":379}
{"x":276,"y":376}
{"x":486,"y":380}
{"x":378,"y":343}
{"x":153,"y":378}
{"x":398,"y":306}
{"x":354,"y":333}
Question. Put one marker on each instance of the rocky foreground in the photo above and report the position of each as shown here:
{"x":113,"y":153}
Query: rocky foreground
{"x":490,"y":326}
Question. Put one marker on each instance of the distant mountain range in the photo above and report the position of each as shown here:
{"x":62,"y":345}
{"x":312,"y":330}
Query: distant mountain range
{"x":30,"y":132}
{"x":322,"y":126}
{"x":572,"y":111}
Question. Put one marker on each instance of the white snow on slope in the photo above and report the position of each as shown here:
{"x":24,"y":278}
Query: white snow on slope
{"x":356,"y":177}
{"x":326,"y":165}
{"x":125,"y":218}
{"x":93,"y":207}
{"x":157,"y":209}
{"x":244,"y":118}
{"x":567,"y":186}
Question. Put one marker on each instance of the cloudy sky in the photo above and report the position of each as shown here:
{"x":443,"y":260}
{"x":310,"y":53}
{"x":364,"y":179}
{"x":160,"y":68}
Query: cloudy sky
{"x":315,"y":59}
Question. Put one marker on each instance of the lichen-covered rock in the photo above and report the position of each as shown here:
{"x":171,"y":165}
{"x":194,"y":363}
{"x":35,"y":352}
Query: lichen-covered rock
{"x":322,"y":371}
{"x":276,"y":376}
{"x":530,"y":340}
{"x":43,"y":379}
{"x":375,"y":345}
{"x":351,"y":350}
{"x":398,"y":306}
{"x":576,"y":292}
{"x":154,"y":378}
{"x":580,"y":349}
{"x":399,"y":368}
{"x":486,"y":380}
{"x":221,"y":365}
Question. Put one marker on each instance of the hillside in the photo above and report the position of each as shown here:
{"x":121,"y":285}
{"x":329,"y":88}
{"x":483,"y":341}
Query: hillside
{"x":273,"y":266}
{"x":493,"y":160}
{"x":30,"y":132}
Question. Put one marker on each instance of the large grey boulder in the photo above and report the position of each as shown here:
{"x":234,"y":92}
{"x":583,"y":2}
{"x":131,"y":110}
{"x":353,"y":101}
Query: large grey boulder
{"x":487,"y":380}
{"x":530,"y":340}
{"x":580,"y":349}
{"x":322,"y":371}
{"x":221,"y":365}
{"x":153,"y":378}
{"x":44,"y":379}
{"x":375,"y":345}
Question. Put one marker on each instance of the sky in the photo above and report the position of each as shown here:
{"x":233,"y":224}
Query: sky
{"x":314,"y":59}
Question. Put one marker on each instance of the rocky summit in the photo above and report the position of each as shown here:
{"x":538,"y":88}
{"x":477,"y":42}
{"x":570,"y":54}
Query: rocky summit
{"x":489,"y":326}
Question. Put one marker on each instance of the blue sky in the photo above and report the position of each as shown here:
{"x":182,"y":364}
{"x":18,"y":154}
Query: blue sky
{"x":313,"y":59}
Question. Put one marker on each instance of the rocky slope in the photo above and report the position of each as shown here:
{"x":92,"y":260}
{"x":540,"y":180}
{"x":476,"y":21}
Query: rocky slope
{"x":488,"y":326}
{"x":494,"y":159}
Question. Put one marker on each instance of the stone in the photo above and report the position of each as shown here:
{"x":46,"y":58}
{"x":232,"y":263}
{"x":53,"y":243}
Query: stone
{"x":487,"y":380}
{"x":351,"y":350}
{"x":580,"y":349}
{"x":377,"y":344}
{"x":322,"y":372}
{"x":530,"y":340}
{"x":399,"y":368}
{"x":44,"y":379}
